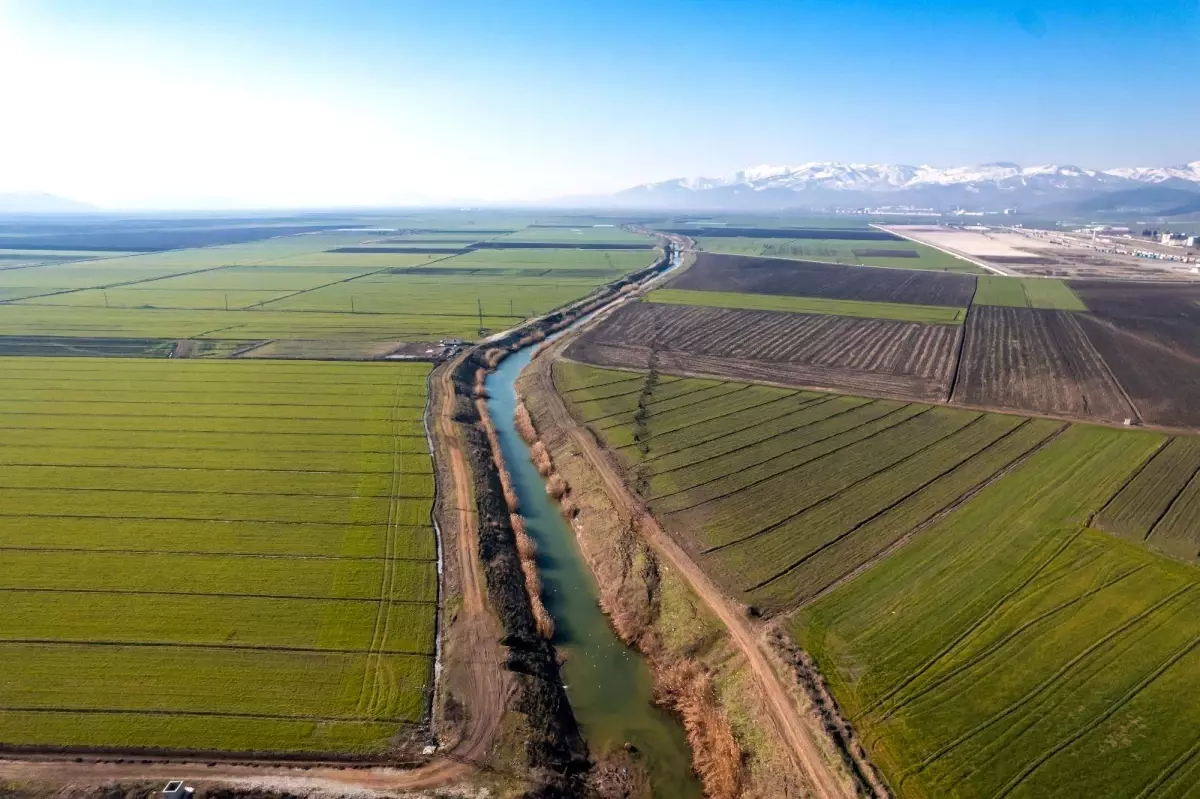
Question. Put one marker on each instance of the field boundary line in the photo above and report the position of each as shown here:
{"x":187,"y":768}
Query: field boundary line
{"x":708,"y":419}
{"x":668,"y":381}
{"x":219,"y":594}
{"x":1074,"y":322}
{"x":101,"y":711}
{"x":976,"y":625}
{"x":221,"y":492}
{"x":218,"y":554}
{"x":892,"y":505}
{"x":845,"y":489}
{"x":600,"y":385}
{"x":1041,"y":687}
{"x":185,"y":518}
{"x":1169,"y":773}
{"x":999,"y":643}
{"x":1167,"y":510}
{"x":336,"y":283}
{"x":962,"y":345}
{"x":1102,"y":717}
{"x":65,"y":642}
{"x":232,"y":469}
{"x":84,"y":399}
{"x":239,"y":433}
{"x":795,"y":466}
{"x":650,"y":405}
{"x":371,"y":674}
{"x":758,"y":423}
{"x":439,"y":552}
{"x":1166,"y":442}
{"x":753,"y":444}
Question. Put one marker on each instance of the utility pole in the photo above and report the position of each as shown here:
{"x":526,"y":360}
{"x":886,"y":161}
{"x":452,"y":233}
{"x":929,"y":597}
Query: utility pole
{"x":510,"y":313}
{"x":105,"y":299}
{"x":479,"y":305}
{"x":351,"y":303}
{"x":227,"y":302}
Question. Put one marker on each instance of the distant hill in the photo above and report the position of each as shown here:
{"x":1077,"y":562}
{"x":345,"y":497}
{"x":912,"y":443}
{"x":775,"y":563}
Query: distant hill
{"x":40,"y":203}
{"x":1156,"y":200}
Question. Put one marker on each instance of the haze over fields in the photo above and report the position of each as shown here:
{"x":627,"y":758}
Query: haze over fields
{"x":182,"y":106}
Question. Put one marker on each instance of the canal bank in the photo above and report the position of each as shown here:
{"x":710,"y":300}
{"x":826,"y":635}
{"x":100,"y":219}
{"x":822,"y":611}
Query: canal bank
{"x":610,"y":687}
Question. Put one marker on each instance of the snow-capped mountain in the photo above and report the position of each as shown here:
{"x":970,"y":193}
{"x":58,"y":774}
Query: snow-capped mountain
{"x":831,"y":183}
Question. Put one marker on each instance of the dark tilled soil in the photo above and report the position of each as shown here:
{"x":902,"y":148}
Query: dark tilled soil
{"x":845,"y":234}
{"x":715,"y":272}
{"x":878,"y":356}
{"x":1160,"y":373}
{"x":1036,"y":360}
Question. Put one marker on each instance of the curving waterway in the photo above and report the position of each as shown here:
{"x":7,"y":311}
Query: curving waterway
{"x":609,"y":684}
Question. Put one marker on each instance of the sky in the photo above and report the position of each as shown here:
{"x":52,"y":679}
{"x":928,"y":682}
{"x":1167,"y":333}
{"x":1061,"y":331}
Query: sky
{"x":177,"y":104}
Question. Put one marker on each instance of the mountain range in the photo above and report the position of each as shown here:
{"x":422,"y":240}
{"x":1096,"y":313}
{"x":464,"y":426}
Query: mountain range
{"x":992,"y":186}
{"x":40,"y":203}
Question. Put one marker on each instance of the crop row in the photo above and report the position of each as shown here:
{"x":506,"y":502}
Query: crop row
{"x":249,"y":544}
{"x":834,"y":507}
{"x":218,"y":481}
{"x":259,"y":425}
{"x":39,"y":444}
{"x":213,"y":536}
{"x":12,"y":410}
{"x":322,"y":578}
{"x":319,"y":685}
{"x":682,"y":446}
{"x":855,"y":541}
{"x":267,"y":508}
{"x":1159,"y":505}
{"x":741,"y":470}
{"x":141,"y":454}
{"x":1008,"y":651}
{"x":774,"y":501}
{"x":212,"y":620}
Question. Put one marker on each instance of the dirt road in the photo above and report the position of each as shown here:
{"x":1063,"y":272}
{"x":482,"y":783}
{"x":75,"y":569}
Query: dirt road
{"x":795,"y":727}
{"x":472,"y":663}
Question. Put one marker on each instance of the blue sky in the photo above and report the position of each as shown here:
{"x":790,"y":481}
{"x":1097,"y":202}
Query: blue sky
{"x":143,"y":104}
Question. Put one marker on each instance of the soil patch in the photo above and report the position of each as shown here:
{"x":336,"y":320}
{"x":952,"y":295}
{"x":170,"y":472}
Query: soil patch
{"x":738,"y":273}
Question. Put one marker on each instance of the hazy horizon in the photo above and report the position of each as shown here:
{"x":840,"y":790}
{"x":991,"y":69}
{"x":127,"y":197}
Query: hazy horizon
{"x":171,"y":105}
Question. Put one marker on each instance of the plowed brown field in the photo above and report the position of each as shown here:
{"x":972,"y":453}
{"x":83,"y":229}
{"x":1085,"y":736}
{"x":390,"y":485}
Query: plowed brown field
{"x":877,"y":356}
{"x":713,"y":272}
{"x":1036,"y":360}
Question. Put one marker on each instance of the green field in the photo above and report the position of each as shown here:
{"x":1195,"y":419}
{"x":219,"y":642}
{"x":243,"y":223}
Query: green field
{"x":1026,"y":292}
{"x":567,"y":235}
{"x":840,"y":251}
{"x":1010,"y":651}
{"x":903,"y":312}
{"x":984,"y":640}
{"x":214,"y":555}
{"x":302,"y":287}
{"x":1161,"y":504}
{"x":782,"y":493}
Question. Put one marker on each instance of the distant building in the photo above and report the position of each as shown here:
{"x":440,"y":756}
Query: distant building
{"x":1193,"y":241}
{"x":1164,"y":238}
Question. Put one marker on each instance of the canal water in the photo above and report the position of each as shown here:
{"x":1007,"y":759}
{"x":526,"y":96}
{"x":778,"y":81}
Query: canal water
{"x":609,"y":684}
